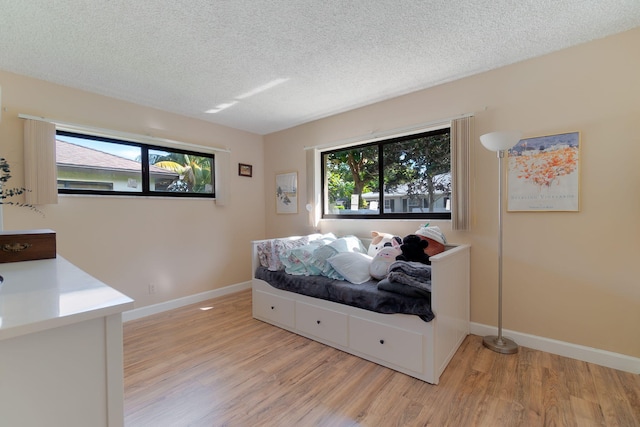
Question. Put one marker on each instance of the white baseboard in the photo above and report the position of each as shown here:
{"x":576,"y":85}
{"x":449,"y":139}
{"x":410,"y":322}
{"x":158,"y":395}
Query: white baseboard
{"x":561,"y":348}
{"x":137,"y":313}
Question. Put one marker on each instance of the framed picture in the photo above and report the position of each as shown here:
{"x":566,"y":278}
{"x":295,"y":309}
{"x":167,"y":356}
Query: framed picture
{"x":287,"y":193}
{"x":544,"y":174}
{"x":245,"y":170}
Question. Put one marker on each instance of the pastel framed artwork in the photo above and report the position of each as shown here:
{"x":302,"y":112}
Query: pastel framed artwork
{"x":287,"y":193}
{"x":544,"y":174}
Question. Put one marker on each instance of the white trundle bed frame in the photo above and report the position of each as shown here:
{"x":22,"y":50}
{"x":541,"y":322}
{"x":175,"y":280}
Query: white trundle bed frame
{"x":401,"y":342}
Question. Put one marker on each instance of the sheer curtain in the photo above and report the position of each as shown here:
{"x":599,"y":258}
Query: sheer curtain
{"x":222,"y":177}
{"x":312,"y":187}
{"x":461,"y":137}
{"x":40,"y":171}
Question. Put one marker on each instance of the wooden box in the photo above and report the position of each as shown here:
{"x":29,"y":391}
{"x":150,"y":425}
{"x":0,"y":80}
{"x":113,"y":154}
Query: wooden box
{"x":26,"y":245}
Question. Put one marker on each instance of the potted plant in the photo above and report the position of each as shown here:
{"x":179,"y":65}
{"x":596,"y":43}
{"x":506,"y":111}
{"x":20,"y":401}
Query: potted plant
{"x":7,"y":193}
{"x":22,"y":245}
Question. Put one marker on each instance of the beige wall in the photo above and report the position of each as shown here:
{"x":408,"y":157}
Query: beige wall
{"x":182,"y":246}
{"x":573,"y":277}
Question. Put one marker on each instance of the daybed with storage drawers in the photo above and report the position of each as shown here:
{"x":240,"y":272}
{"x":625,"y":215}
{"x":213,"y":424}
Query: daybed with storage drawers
{"x":403,"y":342}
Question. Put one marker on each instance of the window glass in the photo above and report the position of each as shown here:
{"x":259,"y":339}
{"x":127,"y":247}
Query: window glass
{"x":193,"y":172}
{"x":414,"y":173}
{"x":96,"y":165}
{"x":351,"y":178}
{"x":90,"y":164}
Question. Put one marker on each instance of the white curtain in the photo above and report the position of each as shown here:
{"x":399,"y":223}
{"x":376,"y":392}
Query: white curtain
{"x":461,"y":137}
{"x":222,"y":177}
{"x":313,"y":195}
{"x":40,"y":171}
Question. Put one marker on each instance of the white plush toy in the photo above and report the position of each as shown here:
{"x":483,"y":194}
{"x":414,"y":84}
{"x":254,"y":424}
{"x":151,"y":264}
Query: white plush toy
{"x":380,"y":240}
{"x":379,"y":267}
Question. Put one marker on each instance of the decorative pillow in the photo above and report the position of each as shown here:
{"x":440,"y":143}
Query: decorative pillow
{"x":353,"y":266}
{"x":297,"y":261}
{"x":319,"y":261}
{"x":276,"y":248}
{"x":264,"y":249}
{"x":348,"y":244}
{"x":327,"y":237}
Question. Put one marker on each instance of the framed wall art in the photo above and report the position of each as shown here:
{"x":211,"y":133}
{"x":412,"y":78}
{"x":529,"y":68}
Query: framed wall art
{"x":245,"y":170}
{"x":544,"y":174}
{"x":287,"y":193}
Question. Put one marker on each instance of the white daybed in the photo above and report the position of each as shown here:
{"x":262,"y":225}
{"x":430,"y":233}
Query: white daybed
{"x":402,"y":342}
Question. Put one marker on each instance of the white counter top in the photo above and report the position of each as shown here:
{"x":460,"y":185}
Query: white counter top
{"x":44,"y":294}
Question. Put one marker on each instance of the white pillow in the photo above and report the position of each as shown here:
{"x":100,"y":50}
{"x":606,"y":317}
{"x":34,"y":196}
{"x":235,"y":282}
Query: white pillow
{"x":348,"y":244}
{"x":353,"y":266}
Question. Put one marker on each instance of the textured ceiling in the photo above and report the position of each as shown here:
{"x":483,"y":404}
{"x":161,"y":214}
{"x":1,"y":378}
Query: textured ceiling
{"x":281,"y":63}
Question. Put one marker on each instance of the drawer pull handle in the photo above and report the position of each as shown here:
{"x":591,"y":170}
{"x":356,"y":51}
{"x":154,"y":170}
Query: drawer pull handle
{"x":15,"y":247}
{"x":318,"y":322}
{"x":381,"y":341}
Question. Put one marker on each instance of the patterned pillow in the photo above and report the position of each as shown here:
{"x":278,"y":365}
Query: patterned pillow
{"x":319,"y":261}
{"x":269,"y":251}
{"x":297,"y":261}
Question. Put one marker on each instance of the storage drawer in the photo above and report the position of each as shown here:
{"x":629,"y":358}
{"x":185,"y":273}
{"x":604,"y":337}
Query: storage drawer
{"x":27,"y":245}
{"x":274,"y":308}
{"x":397,"y":346}
{"x":322,"y":323}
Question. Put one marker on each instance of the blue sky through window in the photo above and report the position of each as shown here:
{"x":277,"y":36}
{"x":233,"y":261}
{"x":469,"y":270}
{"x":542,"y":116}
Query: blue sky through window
{"x":127,"y":151}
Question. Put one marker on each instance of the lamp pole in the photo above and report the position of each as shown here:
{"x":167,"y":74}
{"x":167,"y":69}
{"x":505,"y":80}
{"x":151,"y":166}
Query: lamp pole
{"x":499,"y":343}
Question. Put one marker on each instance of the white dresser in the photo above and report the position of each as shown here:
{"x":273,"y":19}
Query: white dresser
{"x":60,"y":347}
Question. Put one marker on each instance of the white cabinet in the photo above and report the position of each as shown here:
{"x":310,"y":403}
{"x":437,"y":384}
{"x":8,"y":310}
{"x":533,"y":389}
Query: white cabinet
{"x":60,"y":347}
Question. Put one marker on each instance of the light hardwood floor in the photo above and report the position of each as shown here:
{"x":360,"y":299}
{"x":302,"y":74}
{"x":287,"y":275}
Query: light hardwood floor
{"x":221,"y":367}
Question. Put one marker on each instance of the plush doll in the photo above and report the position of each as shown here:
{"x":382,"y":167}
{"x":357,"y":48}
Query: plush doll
{"x":434,"y":237}
{"x":413,"y":249}
{"x":381,"y":240}
{"x":379,"y":266}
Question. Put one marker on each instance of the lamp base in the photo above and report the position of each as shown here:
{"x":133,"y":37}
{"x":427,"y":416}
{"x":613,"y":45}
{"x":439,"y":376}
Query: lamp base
{"x":500,"y":345}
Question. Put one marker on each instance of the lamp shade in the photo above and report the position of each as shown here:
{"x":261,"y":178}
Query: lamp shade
{"x":502,"y":140}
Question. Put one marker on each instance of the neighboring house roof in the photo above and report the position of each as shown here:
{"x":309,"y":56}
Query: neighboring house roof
{"x":401,"y":190}
{"x":72,"y":155}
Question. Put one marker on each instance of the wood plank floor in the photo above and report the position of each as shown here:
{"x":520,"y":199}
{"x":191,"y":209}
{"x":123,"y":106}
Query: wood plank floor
{"x":221,"y":367}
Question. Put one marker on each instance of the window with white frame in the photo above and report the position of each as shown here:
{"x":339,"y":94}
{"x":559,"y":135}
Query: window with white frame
{"x":408,"y":176}
{"x":90,"y":164}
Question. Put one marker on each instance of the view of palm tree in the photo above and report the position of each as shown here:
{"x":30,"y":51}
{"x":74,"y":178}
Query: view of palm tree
{"x":194,"y":171}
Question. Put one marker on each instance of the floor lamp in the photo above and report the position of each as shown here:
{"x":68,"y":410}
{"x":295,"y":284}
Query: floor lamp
{"x":500,"y":142}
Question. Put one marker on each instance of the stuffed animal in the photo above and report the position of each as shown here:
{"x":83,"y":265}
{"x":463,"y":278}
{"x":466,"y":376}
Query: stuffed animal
{"x":379,"y":267}
{"x":380,"y":240}
{"x":434,"y":237}
{"x":413,"y":249}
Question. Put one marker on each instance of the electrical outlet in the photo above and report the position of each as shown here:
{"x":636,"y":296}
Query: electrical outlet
{"x":152,"y":289}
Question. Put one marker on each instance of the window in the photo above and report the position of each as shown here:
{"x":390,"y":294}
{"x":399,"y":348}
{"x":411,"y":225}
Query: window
{"x":95,"y":165}
{"x":413,"y":172}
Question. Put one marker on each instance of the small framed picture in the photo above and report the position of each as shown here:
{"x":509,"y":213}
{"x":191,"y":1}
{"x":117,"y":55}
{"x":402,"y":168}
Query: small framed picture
{"x":287,"y":193}
{"x":245,"y":170}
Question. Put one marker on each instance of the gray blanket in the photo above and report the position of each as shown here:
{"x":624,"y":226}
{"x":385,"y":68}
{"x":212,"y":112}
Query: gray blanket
{"x":415,"y":274}
{"x":366,"y":295}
